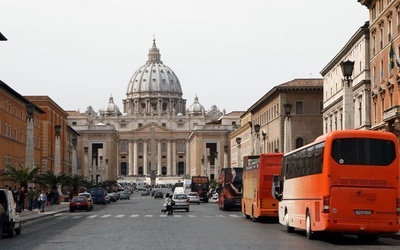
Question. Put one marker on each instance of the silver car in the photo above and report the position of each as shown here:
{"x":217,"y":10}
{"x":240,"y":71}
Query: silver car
{"x":181,"y":202}
{"x":194,"y":197}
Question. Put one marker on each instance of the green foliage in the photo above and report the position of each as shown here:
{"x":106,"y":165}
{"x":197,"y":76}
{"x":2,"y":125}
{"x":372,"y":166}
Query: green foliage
{"x":50,"y":179}
{"x":213,"y":183}
{"x":20,"y":174}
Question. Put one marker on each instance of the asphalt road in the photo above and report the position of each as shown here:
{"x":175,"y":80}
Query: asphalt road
{"x":138,"y":224}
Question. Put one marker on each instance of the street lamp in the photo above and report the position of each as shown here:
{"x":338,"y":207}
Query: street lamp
{"x":30,"y":108}
{"x":257,"y":130}
{"x":29,"y":156}
{"x":288,"y":109}
{"x":288,"y":127}
{"x":57,"y":155}
{"x":264,"y":135}
{"x":348,"y":110}
{"x":347,"y":70}
{"x":238,"y":141}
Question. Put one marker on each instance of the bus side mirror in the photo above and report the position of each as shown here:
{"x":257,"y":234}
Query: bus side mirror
{"x":276,"y":188}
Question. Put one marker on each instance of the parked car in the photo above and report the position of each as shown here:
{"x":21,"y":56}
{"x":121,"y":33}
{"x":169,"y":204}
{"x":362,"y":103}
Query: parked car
{"x":158,"y":194}
{"x":88,"y":197}
{"x":181,"y":202}
{"x":113,"y":196}
{"x":125,"y":195}
{"x":107,"y":198}
{"x":194,"y":197}
{"x":145,"y":193}
{"x":12,"y":222}
{"x":98,"y":195}
{"x":79,"y":203}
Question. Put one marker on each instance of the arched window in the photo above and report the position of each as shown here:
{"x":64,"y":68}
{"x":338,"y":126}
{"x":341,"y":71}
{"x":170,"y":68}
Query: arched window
{"x":299,"y":142}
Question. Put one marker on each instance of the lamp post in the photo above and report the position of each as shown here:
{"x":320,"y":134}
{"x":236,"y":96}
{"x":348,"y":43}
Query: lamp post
{"x":29,"y":155}
{"x":288,"y":127}
{"x":86,"y":150}
{"x":73,"y":164}
{"x":347,"y":70}
{"x":57,"y":155}
{"x":257,"y":131}
{"x":264,"y":135}
{"x":216,"y":166}
{"x":238,"y":147}
{"x":226,"y":156}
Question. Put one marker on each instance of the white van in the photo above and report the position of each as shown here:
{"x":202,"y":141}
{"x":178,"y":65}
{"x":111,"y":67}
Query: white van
{"x":179,"y":190}
{"x":12,"y":223}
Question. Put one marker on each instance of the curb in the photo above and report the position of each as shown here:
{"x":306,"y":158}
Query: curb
{"x":41,"y":215}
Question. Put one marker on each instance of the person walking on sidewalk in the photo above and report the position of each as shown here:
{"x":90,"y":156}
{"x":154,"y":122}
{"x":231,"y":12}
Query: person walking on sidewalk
{"x":31,"y":197}
{"x":42,"y":200}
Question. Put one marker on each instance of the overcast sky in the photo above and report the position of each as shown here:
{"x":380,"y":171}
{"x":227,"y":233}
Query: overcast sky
{"x":227,"y":52}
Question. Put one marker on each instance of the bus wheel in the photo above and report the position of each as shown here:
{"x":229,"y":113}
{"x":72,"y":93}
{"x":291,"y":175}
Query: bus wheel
{"x":309,"y":232}
{"x":289,"y":229}
{"x":254,"y":219}
{"x":369,"y":238}
{"x":245,"y":214}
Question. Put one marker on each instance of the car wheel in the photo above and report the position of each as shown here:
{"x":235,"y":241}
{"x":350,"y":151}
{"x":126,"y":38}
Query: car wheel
{"x":19,"y":229}
{"x":187,"y":210}
{"x":71,"y":210}
{"x":198,"y":203}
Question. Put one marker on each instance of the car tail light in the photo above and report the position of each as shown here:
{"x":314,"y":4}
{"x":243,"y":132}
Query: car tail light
{"x":326,"y":206}
{"x":398,"y":207}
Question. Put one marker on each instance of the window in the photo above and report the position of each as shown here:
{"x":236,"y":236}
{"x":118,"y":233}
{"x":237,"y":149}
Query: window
{"x":74,"y":123}
{"x":299,"y":107}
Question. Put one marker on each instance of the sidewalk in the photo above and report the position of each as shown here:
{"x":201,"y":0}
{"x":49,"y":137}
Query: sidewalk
{"x":27,"y":215}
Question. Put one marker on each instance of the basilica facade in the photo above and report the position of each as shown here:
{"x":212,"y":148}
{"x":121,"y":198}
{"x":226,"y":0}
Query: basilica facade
{"x":155,"y":133}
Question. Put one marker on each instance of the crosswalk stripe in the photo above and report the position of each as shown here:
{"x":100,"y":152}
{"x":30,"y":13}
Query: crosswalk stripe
{"x":190,"y":215}
{"x":92,"y":216}
{"x":105,"y":216}
{"x":134,"y":215}
{"x":76,"y":217}
{"x":120,"y":216}
{"x":148,"y":215}
{"x":234,"y":215}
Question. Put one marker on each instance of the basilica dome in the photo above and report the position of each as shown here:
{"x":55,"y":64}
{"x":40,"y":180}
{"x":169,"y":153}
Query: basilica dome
{"x":154,"y":88}
{"x":196,"y":108}
{"x":111,"y":109}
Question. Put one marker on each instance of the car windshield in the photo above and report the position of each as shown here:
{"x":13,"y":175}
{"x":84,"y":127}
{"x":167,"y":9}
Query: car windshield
{"x":192,"y":194}
{"x":79,"y":198}
{"x":180,"y":196}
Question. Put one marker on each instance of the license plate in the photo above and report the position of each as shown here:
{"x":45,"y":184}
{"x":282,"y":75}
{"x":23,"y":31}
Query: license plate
{"x":363,"y":212}
{"x":78,"y":203}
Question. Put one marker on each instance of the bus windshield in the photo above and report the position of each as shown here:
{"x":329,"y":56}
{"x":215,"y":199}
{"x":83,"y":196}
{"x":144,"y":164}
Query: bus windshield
{"x":363,"y":151}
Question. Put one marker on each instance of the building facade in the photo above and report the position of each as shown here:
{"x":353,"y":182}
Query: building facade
{"x":384,"y":63}
{"x":347,"y":105}
{"x":155,"y":134}
{"x":285,"y":118}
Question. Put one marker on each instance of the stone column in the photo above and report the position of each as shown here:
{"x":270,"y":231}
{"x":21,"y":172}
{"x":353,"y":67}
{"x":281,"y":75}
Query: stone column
{"x":145,"y":154}
{"x":174,"y":157}
{"x":187,"y":164}
{"x":130,"y":158}
{"x":169,"y":157}
{"x":135,"y":157}
{"x":159,"y":170}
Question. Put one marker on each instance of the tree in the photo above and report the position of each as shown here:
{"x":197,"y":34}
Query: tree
{"x":107,"y":184}
{"x":76,"y":182}
{"x":50,"y":179}
{"x":22,"y":175}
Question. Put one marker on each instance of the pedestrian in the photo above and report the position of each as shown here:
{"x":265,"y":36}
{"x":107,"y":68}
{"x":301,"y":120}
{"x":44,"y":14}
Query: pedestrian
{"x":165,"y":208}
{"x":31,"y":197}
{"x":170,"y":207}
{"x":43,"y":200}
{"x":36,"y":199}
{"x":2,"y":218}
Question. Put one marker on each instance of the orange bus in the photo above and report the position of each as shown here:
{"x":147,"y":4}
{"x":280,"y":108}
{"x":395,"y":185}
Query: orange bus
{"x":345,"y":182}
{"x":257,"y":200}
